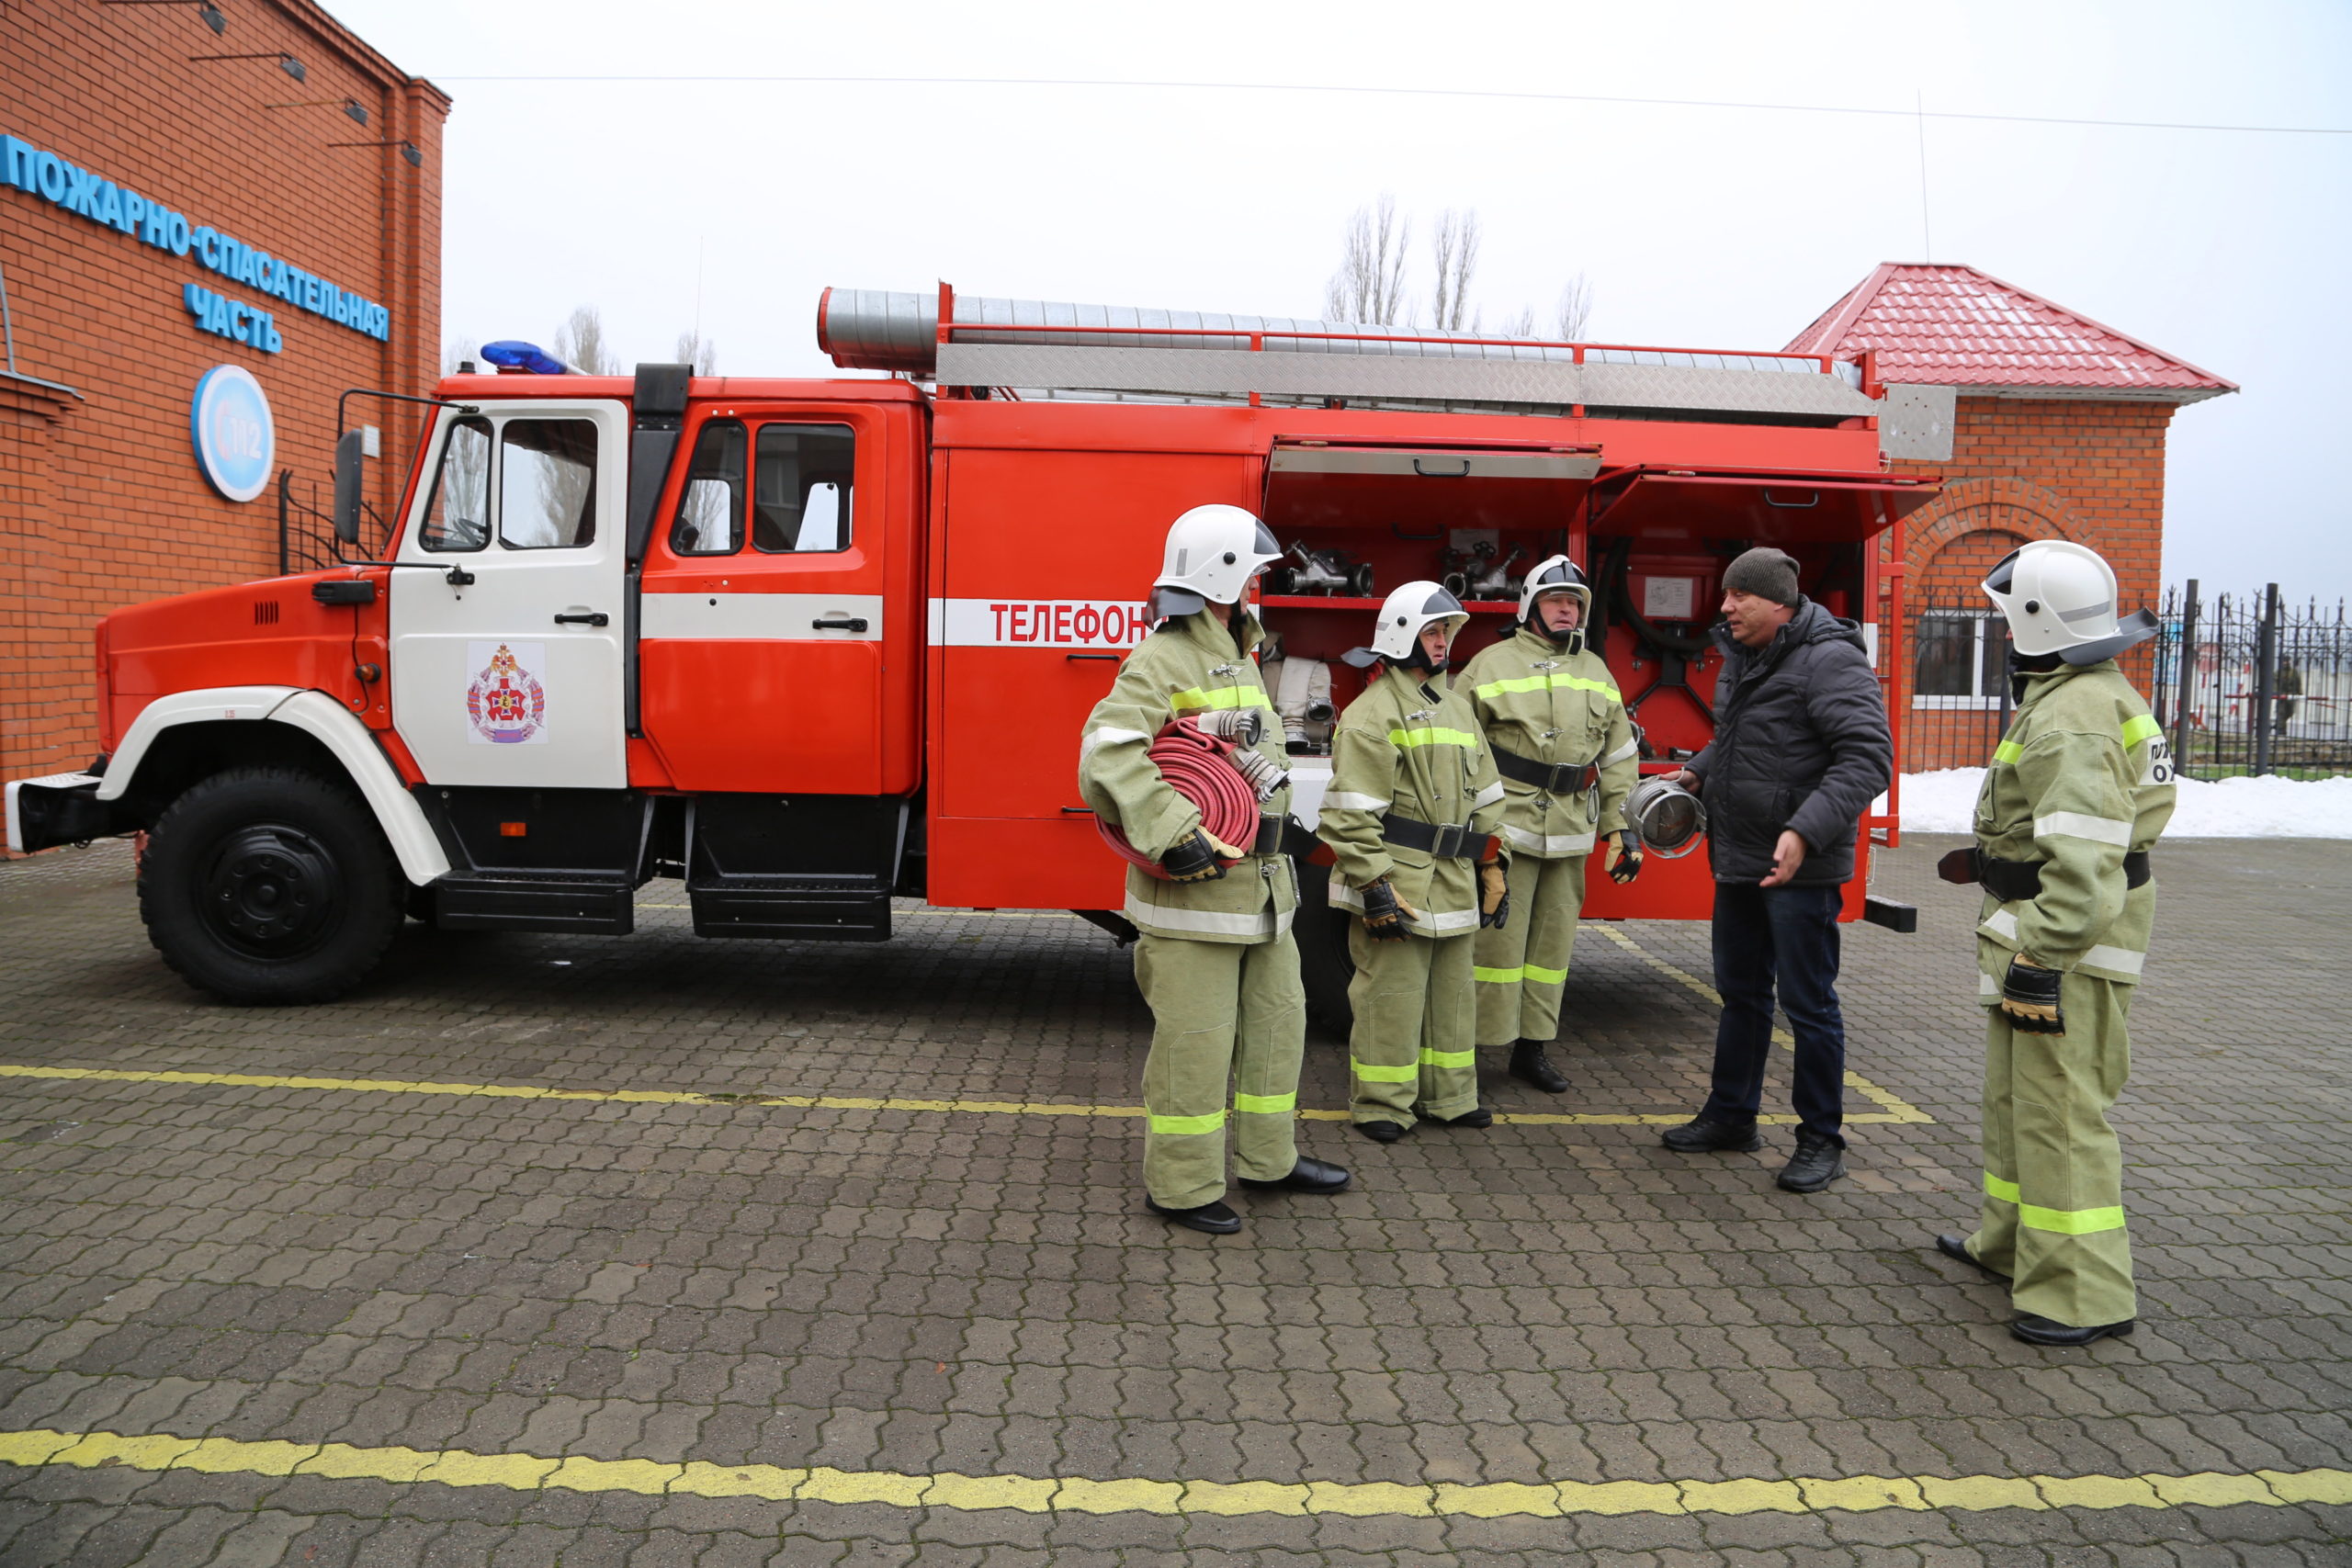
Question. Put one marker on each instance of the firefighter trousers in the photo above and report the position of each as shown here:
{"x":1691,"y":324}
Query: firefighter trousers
{"x":1414,"y":1043}
{"x":1522,"y":966}
{"x":1221,"y":1011}
{"x":2053,"y":1216}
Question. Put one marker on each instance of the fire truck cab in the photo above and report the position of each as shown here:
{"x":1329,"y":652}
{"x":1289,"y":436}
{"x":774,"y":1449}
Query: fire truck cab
{"x":810,"y":645}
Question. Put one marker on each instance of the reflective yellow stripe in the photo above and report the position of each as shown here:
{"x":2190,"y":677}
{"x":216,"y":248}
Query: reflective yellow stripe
{"x":1550,"y":977}
{"x":2008,"y":751}
{"x":2070,"y":1221}
{"x":1227,"y":697}
{"x":2063,"y":1221}
{"x":1448,"y":1059}
{"x":1265,"y":1104}
{"x":1370,"y":1074}
{"x":1499,"y":976}
{"x":1554,"y":683}
{"x":2143,"y":727}
{"x":1431,"y":738}
{"x":1181,"y":1125}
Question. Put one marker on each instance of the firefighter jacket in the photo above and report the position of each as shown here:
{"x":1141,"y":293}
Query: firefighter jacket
{"x":2082,"y":777}
{"x":1189,"y":666}
{"x":1563,"y":709}
{"x":1414,"y":750}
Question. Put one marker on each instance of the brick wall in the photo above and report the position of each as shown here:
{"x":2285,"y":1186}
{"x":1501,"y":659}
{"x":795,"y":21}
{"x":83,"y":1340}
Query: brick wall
{"x":2020,"y":470}
{"x":101,"y":503}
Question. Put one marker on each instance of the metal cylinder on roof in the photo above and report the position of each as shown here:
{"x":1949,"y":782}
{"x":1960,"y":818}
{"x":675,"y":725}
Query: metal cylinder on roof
{"x":867,"y":328}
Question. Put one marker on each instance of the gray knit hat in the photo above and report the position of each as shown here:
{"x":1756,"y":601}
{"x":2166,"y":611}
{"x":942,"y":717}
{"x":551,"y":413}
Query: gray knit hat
{"x":1766,"y":573}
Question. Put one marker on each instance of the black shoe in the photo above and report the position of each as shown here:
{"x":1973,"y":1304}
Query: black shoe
{"x":1477,"y":1118}
{"x":1956,"y":1248}
{"x":1528,"y":1065}
{"x":1214,"y":1218}
{"x":1383,"y":1131}
{"x":1702,"y":1134}
{"x":1818,"y":1162}
{"x":1307,"y":1176}
{"x":2043,"y":1331}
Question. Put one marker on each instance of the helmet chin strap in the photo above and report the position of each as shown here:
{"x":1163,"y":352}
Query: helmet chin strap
{"x":1569,"y":641}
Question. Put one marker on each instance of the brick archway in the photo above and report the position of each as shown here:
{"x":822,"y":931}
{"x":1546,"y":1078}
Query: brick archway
{"x":1991,"y":505}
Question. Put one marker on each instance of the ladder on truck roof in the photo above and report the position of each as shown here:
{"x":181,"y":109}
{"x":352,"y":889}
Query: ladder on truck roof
{"x":1051,"y":349}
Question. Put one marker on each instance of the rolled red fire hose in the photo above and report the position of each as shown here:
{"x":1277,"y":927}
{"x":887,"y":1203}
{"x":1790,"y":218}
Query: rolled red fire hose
{"x":1196,"y":767}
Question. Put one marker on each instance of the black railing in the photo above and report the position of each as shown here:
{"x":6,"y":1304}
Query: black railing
{"x":305,"y":535}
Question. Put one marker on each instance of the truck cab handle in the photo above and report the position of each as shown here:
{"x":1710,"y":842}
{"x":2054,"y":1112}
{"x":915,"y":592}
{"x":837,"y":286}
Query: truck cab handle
{"x":593,"y":618}
{"x":838,"y":624}
{"x":1113,"y":658}
{"x":1462,"y":472}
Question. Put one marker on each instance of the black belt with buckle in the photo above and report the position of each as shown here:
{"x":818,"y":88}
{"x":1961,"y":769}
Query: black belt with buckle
{"x":1554,"y":778}
{"x":1455,"y":840}
{"x":1284,"y":835}
{"x":2013,"y":881}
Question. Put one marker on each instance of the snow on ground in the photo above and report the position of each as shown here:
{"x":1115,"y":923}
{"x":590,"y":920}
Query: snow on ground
{"x":2223,"y":808}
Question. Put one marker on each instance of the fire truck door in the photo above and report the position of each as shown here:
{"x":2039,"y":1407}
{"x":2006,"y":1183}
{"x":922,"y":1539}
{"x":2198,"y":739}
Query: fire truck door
{"x":506,"y":653}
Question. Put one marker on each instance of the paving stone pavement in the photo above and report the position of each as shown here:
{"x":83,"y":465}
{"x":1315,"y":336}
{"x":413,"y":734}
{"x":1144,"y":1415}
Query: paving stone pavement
{"x":810,"y":1335}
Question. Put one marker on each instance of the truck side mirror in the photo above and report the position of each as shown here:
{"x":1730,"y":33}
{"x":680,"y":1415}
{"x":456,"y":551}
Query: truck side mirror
{"x":350,"y":455}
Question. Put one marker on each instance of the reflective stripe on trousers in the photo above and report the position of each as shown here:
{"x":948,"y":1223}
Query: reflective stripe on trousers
{"x":1413,"y":1046}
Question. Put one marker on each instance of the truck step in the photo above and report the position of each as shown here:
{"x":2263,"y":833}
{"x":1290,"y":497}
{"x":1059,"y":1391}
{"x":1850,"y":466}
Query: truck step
{"x":792,"y":908}
{"x":591,"y":905}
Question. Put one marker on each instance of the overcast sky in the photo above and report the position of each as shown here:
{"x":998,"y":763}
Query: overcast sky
{"x":1697,"y":226}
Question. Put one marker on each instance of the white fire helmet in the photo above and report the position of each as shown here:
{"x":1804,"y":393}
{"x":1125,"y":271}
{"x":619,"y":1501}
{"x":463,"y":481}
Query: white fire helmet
{"x":2060,"y":598}
{"x":1212,"y":552}
{"x":1557,"y":574}
{"x":1397,"y":637}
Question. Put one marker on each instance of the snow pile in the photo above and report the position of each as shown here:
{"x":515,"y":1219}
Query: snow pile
{"x":2271,"y":808}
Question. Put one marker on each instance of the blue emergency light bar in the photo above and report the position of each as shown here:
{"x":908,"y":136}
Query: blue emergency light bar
{"x":513,"y":353}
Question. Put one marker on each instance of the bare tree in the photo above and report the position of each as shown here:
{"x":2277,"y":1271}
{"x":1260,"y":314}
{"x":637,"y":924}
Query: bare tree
{"x":1575,"y":309}
{"x":1453,"y":248}
{"x":1369,"y":285}
{"x":455,"y":351}
{"x":700,"y":352}
{"x":580,"y":343}
{"x":1523,"y":324}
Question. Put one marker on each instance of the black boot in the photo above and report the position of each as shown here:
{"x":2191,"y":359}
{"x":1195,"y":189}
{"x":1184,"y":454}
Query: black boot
{"x":1702,"y":1135}
{"x":1531,"y":1065}
{"x":1383,"y":1131}
{"x":1307,"y":1176}
{"x":1818,"y":1162}
{"x":2045,"y":1331}
{"x":1477,"y":1118}
{"x":1213,"y":1217}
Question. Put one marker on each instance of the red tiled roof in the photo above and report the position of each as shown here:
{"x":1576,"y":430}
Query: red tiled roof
{"x":1956,"y":326}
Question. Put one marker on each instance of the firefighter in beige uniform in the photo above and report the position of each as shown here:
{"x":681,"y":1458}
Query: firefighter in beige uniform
{"x":1215,"y":958}
{"x":1566,"y":750}
{"x":2079,"y":788}
{"x":1409,"y":816}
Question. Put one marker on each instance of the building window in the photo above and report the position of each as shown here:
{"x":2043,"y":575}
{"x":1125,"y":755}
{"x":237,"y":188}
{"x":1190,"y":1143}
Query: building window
{"x":801,"y":484}
{"x":1963,"y":659}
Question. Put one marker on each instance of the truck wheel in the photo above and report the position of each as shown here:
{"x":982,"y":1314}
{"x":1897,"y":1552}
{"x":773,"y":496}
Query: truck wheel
{"x":269,"y":887}
{"x":1324,"y":967}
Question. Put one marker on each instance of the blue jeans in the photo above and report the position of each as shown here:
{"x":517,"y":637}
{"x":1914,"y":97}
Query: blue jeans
{"x":1787,"y":936}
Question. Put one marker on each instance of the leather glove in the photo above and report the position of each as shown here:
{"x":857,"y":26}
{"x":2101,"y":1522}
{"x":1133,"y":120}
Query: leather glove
{"x":1494,"y":896}
{"x":2029,"y":998}
{"x":1622,"y":859}
{"x":1385,"y":913}
{"x":1194,"y":857}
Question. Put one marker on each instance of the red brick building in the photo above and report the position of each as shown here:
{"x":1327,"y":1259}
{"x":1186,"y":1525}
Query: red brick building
{"x":235,"y":183}
{"x":2045,"y":425}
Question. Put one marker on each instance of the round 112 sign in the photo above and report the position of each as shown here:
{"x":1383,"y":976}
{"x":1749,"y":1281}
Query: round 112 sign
{"x":236,"y":441}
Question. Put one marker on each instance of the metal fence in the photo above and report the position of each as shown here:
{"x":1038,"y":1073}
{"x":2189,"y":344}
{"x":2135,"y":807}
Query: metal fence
{"x":306,"y":537}
{"x":2242,"y":683}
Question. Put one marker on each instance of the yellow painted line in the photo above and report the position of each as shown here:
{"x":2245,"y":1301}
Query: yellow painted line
{"x":1046,"y":1494}
{"x":1892,"y":1107}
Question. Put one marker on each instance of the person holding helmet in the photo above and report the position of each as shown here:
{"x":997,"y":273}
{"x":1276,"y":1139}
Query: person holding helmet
{"x":1411,"y":814}
{"x":1215,"y":958}
{"x":2078,"y":791}
{"x":1565,"y":748}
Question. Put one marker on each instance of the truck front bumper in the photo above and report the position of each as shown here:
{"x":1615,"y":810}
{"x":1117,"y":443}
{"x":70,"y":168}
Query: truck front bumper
{"x":62,"y":808}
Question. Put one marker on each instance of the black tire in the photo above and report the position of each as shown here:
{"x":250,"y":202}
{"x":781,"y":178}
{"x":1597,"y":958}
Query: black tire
{"x":270,"y":887}
{"x":1324,"y":967}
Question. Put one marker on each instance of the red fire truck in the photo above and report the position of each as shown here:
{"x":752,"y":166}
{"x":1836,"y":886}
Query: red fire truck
{"x":807,"y":645}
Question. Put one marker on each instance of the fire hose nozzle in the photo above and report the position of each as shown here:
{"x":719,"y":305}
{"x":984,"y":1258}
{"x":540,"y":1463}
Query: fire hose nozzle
{"x":1260,"y":773}
{"x":1241,"y":725}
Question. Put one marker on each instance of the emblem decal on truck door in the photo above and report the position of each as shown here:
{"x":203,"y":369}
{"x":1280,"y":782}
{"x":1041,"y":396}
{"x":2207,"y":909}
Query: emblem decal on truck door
{"x":506,"y":704}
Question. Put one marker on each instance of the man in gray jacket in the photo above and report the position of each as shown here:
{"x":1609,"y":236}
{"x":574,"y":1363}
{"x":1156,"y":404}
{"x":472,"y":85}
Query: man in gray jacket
{"x":1800,"y":750}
